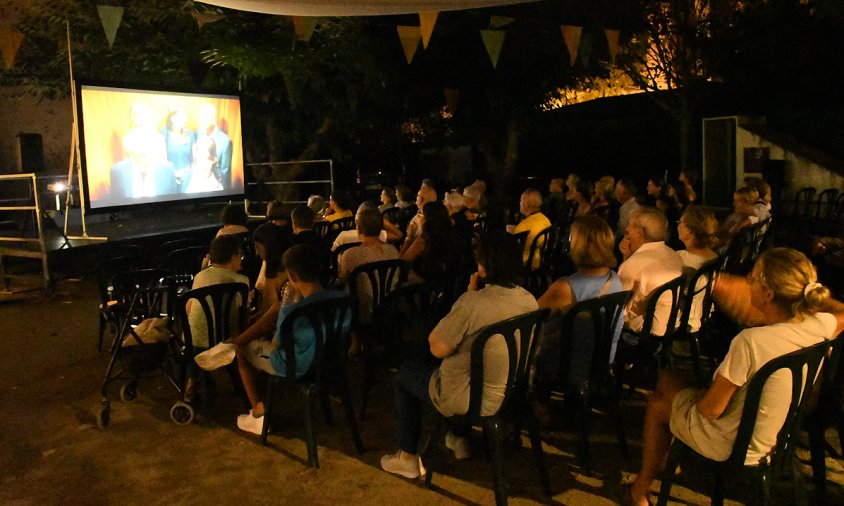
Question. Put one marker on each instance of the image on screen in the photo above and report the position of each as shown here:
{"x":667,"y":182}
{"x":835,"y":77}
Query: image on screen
{"x":142,"y":146}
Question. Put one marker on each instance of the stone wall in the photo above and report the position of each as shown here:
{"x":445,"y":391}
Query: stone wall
{"x":23,"y":112}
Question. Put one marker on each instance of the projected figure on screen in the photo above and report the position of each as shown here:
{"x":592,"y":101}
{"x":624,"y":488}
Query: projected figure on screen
{"x":179,"y":142}
{"x":144,"y":170}
{"x":204,"y":175}
{"x":208,"y":128}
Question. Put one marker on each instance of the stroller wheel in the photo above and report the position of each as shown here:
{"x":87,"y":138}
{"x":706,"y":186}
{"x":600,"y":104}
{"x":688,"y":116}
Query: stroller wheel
{"x":104,"y":415}
{"x":181,"y":413}
{"x":129,"y":391}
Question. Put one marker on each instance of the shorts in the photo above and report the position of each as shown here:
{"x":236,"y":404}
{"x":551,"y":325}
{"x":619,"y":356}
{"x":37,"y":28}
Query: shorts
{"x":257,"y":353}
{"x":693,"y":429}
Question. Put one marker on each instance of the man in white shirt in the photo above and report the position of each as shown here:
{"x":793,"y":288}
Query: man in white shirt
{"x":625,"y":194}
{"x":648,"y":264}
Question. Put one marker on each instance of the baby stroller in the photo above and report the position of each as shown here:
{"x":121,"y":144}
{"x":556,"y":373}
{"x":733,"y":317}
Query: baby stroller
{"x":142,"y":310}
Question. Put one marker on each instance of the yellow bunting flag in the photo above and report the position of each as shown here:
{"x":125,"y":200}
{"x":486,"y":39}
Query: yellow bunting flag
{"x":203,"y":18}
{"x":493,"y":40}
{"x":427,"y":20}
{"x":303,"y":27}
{"x":409,"y":37}
{"x":612,"y":42}
{"x":10,"y":42}
{"x":110,"y":18}
{"x":499,"y":22}
{"x":451,"y":96}
{"x":571,"y":35}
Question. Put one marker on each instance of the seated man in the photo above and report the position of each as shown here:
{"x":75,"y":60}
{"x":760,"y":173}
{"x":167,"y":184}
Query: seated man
{"x":351,"y":236}
{"x":625,"y":195}
{"x":492,"y":297}
{"x":303,"y":271}
{"x":427,"y":193}
{"x":534,"y":223}
{"x":225,"y":258}
{"x":648,"y":264}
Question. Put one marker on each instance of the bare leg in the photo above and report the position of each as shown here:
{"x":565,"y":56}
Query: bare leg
{"x":247,"y":377}
{"x":656,"y":434}
{"x":264,"y":326}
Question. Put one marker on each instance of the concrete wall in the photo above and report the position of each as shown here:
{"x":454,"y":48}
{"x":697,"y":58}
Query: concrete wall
{"x":799,"y":172}
{"x":23,"y":112}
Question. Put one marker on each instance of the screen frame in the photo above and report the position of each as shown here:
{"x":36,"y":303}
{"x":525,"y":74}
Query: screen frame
{"x":122,"y":86}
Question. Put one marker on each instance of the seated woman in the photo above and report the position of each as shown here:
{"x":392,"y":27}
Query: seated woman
{"x":696,"y":229}
{"x":430,"y":255}
{"x":270,"y":246}
{"x":743,"y":216}
{"x":602,"y":197}
{"x":580,"y":195}
{"x":339,"y":206}
{"x":388,"y":198}
{"x":592,"y":243}
{"x":784,"y":291}
{"x":492,"y":297}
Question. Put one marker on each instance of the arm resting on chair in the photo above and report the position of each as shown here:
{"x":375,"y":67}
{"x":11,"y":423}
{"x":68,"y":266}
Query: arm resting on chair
{"x":715,"y":399}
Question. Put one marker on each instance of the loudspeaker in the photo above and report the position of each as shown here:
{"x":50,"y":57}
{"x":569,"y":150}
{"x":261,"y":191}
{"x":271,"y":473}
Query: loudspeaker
{"x":30,"y":153}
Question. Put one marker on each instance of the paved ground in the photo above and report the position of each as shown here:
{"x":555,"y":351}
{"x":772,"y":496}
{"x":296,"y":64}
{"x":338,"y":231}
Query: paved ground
{"x":50,"y":375}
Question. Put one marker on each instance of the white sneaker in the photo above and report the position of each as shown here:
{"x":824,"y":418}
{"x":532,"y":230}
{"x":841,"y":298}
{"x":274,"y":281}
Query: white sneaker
{"x":393,"y":463}
{"x":249,"y":423}
{"x":459,"y":445}
{"x":219,"y":356}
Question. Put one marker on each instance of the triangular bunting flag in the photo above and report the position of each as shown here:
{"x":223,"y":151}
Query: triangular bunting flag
{"x":427,"y":20}
{"x":303,"y":27}
{"x":409,"y":37}
{"x":10,"y":42}
{"x":110,"y":18}
{"x":203,"y":18}
{"x":496,"y":22}
{"x":571,"y":35}
{"x":612,"y":42}
{"x":451,"y":96}
{"x":493,"y":40}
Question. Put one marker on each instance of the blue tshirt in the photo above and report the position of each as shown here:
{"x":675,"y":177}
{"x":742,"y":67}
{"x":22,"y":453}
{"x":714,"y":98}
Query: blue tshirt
{"x":304,"y":337}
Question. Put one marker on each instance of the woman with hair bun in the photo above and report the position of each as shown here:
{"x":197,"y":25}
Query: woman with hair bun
{"x":784,"y":289}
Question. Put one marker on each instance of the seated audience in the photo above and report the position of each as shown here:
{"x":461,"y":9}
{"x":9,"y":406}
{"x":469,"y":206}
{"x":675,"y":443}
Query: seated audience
{"x":234,"y":220}
{"x":492,"y":296}
{"x":686,"y":189}
{"x":270,"y":245}
{"x":225,"y":256}
{"x":648,"y":264}
{"x":472,"y":202}
{"x":554,"y":203}
{"x":743,"y":216}
{"x":388,"y":198}
{"x":591,"y":248}
{"x":427,"y":193}
{"x":784,"y":290}
{"x":339,"y":206}
{"x":302,"y":267}
{"x":762,"y":206}
{"x":579,"y":195}
{"x":455,"y":204}
{"x":696,"y":230}
{"x":625,"y":194}
{"x":404,"y":195}
{"x":317,"y":204}
{"x":430,"y":255}
{"x":534,"y":223}
{"x":655,"y":189}
{"x":277,"y":214}
{"x":601,"y":198}
{"x":352,"y":236}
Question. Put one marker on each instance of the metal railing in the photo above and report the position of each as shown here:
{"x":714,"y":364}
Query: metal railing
{"x":32,"y":205}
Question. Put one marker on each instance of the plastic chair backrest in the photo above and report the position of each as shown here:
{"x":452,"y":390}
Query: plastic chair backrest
{"x":126,"y":284}
{"x":810,"y":359}
{"x":164,"y":249}
{"x":321,"y":228}
{"x":826,"y":203}
{"x":185,"y":260}
{"x":382,"y":277}
{"x":521,"y":237}
{"x":803,"y":202}
{"x":409,"y":314}
{"x":334,"y":262}
{"x":699,"y":290}
{"x":745,"y":248}
{"x":521,"y":336}
{"x":105,"y":271}
{"x":212,"y":299}
{"x":538,"y":249}
{"x":673,"y":289}
{"x":331,"y":320}
{"x":603,"y":313}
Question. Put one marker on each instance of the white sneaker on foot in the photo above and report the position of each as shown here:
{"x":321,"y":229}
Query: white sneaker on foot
{"x":219,"y":356}
{"x":249,"y":423}
{"x":459,"y":445}
{"x":393,"y":463}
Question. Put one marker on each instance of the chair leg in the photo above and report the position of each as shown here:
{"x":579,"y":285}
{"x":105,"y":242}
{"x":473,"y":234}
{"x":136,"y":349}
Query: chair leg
{"x":583,"y":431}
{"x":428,"y":451}
{"x":498,"y":461}
{"x":268,"y":412}
{"x":313,"y":458}
{"x":718,"y":491}
{"x":346,"y":398}
{"x":763,"y":488}
{"x":817,"y":451}
{"x":667,"y":479}
{"x":368,"y":380}
{"x":325,"y":401}
{"x":538,"y":453}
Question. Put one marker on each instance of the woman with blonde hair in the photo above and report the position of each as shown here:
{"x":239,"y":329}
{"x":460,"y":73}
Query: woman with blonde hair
{"x":696,"y":229}
{"x":784,"y":290}
{"x":591,"y":250}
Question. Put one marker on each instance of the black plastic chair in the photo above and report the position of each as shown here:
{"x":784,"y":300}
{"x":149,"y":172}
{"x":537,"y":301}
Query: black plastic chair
{"x":220,"y":304}
{"x":745,"y":248}
{"x":698,"y":292}
{"x":557,"y":260}
{"x":334,"y":260}
{"x":331,"y":320}
{"x":185,"y":260}
{"x":406,"y":318}
{"x":104,"y":272}
{"x":372,"y":282}
{"x":515,"y":407}
{"x":536,"y":280}
{"x":598,"y":317}
{"x":782,"y":454}
{"x":162,"y":250}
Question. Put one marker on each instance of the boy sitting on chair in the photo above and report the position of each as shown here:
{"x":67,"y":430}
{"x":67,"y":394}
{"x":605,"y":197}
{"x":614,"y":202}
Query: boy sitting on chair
{"x":303,"y":270}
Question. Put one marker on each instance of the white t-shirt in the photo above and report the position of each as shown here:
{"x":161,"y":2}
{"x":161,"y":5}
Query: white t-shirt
{"x":351,"y":236}
{"x":651,"y":266}
{"x":692,"y":263}
{"x":196,"y":318}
